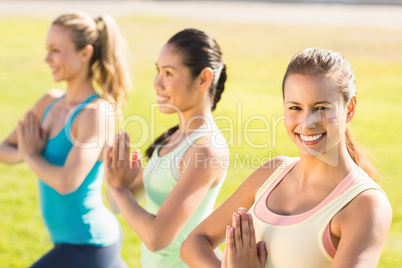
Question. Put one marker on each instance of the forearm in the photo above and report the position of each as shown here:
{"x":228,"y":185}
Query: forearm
{"x":110,"y":200}
{"x":138,"y":190}
{"x":146,"y":225}
{"x":196,"y":251}
{"x":9,"y":154}
{"x":50,"y":174}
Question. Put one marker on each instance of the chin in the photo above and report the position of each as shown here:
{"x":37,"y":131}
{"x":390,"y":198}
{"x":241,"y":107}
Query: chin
{"x":57,"y":79}
{"x":166,"y":110}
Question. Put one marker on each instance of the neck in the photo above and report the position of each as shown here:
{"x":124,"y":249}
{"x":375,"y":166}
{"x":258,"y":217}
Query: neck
{"x":78,"y":89}
{"x":333,"y":166}
{"x":194,"y":118}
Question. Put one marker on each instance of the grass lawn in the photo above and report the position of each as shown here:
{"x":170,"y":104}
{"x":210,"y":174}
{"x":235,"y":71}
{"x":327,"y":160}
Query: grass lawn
{"x":256,"y":56}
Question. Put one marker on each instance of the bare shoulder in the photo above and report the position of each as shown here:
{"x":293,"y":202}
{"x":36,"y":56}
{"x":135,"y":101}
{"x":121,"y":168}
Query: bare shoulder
{"x":262,"y":174}
{"x":370,"y":210}
{"x":97,"y":110}
{"x":212,"y":159}
{"x":210,"y":147}
{"x":370,"y":202}
{"x":40,"y":106}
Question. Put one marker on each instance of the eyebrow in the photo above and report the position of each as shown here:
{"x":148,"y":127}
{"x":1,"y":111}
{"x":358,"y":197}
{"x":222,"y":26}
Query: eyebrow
{"x":165,"y":66}
{"x":317,"y":103}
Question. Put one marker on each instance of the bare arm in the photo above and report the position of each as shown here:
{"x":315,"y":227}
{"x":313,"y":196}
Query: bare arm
{"x":198,"y":249}
{"x":363,"y":227}
{"x":137,"y":190}
{"x":79,"y":162}
{"x":9,"y":153}
{"x":158,"y":231}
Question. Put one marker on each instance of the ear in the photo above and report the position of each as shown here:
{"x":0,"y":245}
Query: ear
{"x":351,"y":109}
{"x":87,"y":52}
{"x":205,"y":78}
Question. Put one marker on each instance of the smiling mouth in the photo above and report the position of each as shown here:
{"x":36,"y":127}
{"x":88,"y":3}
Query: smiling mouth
{"x":161,"y":99}
{"x":310,"y":139}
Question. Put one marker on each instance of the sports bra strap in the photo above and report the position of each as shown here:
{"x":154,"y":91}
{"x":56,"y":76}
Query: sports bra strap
{"x":50,"y":106}
{"x":74,"y":112}
{"x":77,"y":109}
{"x":190,"y":140}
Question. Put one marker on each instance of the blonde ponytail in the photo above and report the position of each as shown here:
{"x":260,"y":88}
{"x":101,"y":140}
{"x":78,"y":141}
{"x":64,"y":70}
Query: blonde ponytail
{"x":110,"y":69}
{"x":108,"y":66}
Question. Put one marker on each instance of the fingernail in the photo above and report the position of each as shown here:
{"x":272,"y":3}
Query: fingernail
{"x":249,"y":216}
{"x":242,"y":210}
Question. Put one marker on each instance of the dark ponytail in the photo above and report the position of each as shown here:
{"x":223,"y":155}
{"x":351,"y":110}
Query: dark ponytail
{"x":161,"y":140}
{"x":220,"y":87}
{"x":199,"y":50}
{"x":359,"y":156}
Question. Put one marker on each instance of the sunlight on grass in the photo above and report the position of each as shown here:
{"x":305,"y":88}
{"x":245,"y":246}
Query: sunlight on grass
{"x":256,"y":56}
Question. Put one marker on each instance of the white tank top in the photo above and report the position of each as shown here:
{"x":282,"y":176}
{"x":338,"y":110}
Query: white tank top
{"x":303,"y":240}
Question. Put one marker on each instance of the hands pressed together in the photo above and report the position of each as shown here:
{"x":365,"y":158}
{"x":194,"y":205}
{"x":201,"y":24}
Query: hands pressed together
{"x":120,"y":169}
{"x":31,"y":137}
{"x":241,"y":249}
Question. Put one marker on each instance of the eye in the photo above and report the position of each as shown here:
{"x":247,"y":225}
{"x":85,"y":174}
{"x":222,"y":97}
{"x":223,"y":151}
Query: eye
{"x":322,"y":108}
{"x":295,"y":108}
{"x":168,"y":73}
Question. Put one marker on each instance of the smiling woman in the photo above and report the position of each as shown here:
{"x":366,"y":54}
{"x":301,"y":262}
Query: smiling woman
{"x":81,"y":51}
{"x":189,"y":82}
{"x":321,"y":209}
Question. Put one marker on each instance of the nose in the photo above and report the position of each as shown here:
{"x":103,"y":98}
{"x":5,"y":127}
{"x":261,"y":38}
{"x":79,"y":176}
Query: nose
{"x":311,"y":119}
{"x":47,"y":58}
{"x":158,"y":83}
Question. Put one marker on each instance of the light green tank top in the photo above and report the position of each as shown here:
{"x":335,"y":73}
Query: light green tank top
{"x":159,"y":180}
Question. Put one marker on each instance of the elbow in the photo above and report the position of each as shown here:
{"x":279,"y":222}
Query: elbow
{"x":65,"y":185}
{"x":184,"y":250}
{"x":154,"y":246}
{"x":63,"y":190}
{"x":156,"y":241}
{"x":9,"y":154}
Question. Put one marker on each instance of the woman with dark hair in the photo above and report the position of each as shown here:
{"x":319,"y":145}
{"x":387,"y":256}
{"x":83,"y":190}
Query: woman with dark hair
{"x":322,"y":209}
{"x":186,"y":166}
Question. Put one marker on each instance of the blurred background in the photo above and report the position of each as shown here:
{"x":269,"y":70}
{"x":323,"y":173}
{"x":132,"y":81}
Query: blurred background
{"x":258,"y":38}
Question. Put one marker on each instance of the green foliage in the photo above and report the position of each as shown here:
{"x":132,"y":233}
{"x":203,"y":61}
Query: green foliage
{"x":256,"y":56}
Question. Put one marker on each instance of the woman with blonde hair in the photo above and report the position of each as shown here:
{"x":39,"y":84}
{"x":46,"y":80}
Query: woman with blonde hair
{"x":62,"y":137}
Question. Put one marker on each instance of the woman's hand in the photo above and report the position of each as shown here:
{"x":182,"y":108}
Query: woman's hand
{"x":120,"y":170}
{"x":241,"y":249}
{"x":31,"y":137}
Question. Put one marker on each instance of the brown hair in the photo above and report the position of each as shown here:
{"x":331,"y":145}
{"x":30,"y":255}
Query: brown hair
{"x":328,"y":63}
{"x":199,"y":50}
{"x":107,"y":66}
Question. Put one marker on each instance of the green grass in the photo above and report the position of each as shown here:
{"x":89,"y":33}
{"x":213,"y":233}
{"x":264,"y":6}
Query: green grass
{"x":256,"y":56}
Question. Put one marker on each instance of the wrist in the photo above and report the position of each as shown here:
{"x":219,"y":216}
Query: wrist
{"x":28,"y":156}
{"x":118,"y":190}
